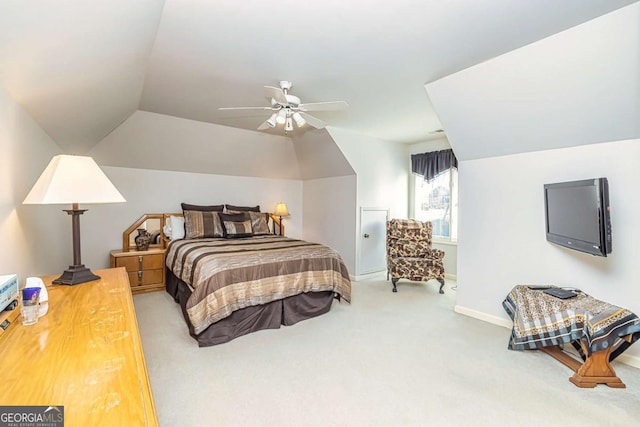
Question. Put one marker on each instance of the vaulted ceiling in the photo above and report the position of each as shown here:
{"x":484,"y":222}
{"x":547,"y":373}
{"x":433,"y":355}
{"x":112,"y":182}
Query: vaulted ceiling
{"x":80,"y":68}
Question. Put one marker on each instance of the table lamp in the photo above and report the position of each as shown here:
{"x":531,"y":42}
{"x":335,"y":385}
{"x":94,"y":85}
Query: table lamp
{"x":281,"y":210}
{"x":74,"y":180}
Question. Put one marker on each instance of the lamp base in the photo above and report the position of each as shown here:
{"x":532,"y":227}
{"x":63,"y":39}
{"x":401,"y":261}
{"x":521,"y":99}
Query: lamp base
{"x":74,"y":275}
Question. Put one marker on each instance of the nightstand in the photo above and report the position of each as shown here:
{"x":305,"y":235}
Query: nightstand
{"x":146,"y":269}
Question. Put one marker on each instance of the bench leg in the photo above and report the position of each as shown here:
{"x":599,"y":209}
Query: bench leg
{"x":595,"y":370}
{"x":394,"y":281}
{"x":441,"y":285}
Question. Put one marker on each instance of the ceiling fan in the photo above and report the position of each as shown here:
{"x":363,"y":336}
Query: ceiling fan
{"x":287,"y":109}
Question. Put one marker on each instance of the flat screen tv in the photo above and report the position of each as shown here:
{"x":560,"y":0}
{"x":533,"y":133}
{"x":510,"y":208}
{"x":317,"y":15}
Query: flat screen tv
{"x":577,"y":215}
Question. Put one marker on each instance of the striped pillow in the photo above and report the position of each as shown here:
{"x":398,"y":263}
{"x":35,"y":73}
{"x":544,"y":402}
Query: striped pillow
{"x":200,"y":224}
{"x":236,"y":225}
{"x":235,"y":229}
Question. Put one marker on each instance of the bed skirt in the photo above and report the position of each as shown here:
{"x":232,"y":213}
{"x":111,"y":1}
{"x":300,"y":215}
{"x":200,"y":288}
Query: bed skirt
{"x":288,"y":311}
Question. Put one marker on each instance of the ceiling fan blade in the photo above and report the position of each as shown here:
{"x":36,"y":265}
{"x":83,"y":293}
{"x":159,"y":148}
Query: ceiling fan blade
{"x":323,"y":106}
{"x":264,"y":126}
{"x":316,"y":123}
{"x":276,"y":93}
{"x":244,"y":108}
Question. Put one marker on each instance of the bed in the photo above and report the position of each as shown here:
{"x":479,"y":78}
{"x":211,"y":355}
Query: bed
{"x":231,"y":287}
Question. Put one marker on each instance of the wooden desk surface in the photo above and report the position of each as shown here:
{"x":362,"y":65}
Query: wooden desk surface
{"x":85,"y":354}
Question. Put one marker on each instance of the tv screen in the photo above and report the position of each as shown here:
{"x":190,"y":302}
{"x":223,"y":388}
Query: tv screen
{"x":577,"y":215}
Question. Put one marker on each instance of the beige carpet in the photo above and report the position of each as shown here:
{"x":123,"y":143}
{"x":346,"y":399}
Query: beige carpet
{"x":387,"y":359}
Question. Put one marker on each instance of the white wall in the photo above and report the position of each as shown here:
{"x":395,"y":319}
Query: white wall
{"x":330,"y":215}
{"x":450,"y":260}
{"x":502,"y":227}
{"x":329,"y":193}
{"x":149,"y":191}
{"x":36,"y":239}
{"x":382,"y":175}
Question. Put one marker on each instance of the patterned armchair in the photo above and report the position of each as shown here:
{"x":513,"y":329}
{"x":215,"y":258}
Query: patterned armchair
{"x":409,"y":253}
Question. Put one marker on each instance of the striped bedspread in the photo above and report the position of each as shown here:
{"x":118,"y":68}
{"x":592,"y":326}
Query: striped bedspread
{"x":226,"y":275}
{"x":541,"y":320}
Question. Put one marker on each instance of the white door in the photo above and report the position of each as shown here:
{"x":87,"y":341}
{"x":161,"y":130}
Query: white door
{"x":373,"y":253}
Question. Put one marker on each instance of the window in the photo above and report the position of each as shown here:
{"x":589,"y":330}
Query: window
{"x":437,"y":201}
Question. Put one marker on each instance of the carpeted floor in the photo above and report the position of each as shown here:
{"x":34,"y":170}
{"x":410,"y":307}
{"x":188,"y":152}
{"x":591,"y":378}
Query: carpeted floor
{"x":387,"y":359}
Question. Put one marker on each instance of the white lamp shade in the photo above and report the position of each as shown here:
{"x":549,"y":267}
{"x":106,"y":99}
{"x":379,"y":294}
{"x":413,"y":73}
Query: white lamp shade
{"x":73,"y":179}
{"x":300,"y":121}
{"x":271,"y":121}
{"x":281,"y":210}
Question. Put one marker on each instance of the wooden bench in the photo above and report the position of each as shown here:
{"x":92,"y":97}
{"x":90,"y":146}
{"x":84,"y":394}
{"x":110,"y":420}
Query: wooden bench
{"x":597,"y":330}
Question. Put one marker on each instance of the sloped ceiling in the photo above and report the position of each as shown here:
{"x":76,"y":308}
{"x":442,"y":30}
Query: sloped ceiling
{"x":319,"y":157}
{"x":578,"y":87}
{"x":80,"y":68}
{"x":155,"y":141}
{"x":76,"y":66}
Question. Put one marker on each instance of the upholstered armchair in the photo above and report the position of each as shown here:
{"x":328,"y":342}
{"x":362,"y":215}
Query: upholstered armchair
{"x":409,"y":253}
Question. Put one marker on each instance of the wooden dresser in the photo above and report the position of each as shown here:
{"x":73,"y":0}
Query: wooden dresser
{"x":85,"y":354}
{"x":145,"y":268}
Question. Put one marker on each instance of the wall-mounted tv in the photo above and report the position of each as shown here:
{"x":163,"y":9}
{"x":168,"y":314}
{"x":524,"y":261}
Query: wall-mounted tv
{"x":577,"y":215}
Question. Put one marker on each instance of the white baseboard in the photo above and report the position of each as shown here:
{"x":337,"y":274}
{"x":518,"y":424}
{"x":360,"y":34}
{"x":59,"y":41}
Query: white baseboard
{"x":629,"y":360}
{"x":382,"y":274}
{"x":506,"y":323}
{"x":375,"y":275}
{"x":495,"y":320}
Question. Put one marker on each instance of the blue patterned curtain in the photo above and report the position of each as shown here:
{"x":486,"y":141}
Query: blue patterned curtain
{"x":433,"y":163}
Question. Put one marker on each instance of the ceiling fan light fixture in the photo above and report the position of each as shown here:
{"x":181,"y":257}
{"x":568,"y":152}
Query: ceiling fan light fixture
{"x":289,"y":124}
{"x":271,"y":121}
{"x":300,"y":121}
{"x":287,"y":110}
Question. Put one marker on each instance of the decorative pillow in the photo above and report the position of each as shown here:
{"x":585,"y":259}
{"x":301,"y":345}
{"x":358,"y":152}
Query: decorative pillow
{"x":211,"y":208}
{"x":259,"y":223}
{"x":236,"y":225}
{"x":199,"y":224}
{"x":174,"y":227}
{"x":236,"y":209}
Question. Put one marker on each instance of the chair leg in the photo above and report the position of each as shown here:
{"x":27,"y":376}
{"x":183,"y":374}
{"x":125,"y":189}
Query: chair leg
{"x":394,"y":281}
{"x":441,"y":285}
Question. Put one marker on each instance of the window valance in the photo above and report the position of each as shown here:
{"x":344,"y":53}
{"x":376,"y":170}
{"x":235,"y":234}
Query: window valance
{"x":433,"y":163}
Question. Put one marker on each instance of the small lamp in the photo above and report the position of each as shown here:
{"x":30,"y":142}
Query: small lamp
{"x":73,"y":179}
{"x":281,"y":210}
